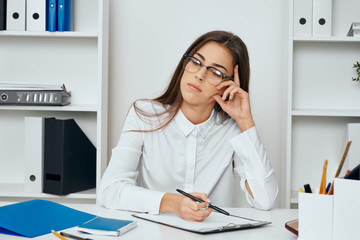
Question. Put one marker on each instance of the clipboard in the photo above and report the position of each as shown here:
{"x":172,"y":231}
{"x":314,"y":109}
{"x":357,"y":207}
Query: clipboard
{"x":215,"y":223}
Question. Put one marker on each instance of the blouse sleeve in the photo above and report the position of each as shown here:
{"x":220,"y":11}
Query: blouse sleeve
{"x":117,"y":188}
{"x":253,"y":165}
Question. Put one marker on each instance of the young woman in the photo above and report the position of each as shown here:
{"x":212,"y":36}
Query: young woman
{"x":193,"y":137}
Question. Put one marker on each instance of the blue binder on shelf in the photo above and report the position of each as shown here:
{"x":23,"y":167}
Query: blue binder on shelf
{"x":65,"y":15}
{"x":51,"y":15}
{"x":38,"y":217}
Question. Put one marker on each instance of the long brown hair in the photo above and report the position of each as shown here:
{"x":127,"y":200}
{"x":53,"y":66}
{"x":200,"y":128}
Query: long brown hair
{"x":172,"y":97}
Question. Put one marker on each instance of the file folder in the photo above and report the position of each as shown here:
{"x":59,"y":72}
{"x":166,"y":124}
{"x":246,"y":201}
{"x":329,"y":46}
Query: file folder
{"x":2,"y":14}
{"x":69,"y":158}
{"x":107,"y":226}
{"x":303,"y":17}
{"x":34,"y":157}
{"x":35,"y":15}
{"x":38,"y":217}
{"x":51,"y":15}
{"x":322,"y":14}
{"x":65,"y":15}
{"x":15,"y":15}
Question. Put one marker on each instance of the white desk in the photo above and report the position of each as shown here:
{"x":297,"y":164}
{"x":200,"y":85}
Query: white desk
{"x":153,"y":231}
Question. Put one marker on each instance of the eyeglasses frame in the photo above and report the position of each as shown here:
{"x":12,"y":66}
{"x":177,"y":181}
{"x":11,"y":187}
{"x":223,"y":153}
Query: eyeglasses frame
{"x":223,"y":76}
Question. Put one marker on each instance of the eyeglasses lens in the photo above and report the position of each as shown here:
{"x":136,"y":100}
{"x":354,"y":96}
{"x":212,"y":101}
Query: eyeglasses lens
{"x":213,"y":76}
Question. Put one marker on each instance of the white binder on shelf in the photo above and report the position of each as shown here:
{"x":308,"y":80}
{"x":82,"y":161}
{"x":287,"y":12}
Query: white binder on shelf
{"x":16,"y":15}
{"x":34,"y":157}
{"x":35,"y":15}
{"x":303,"y":14}
{"x":322,"y":17}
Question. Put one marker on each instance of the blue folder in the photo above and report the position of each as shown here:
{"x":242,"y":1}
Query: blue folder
{"x":65,"y":15}
{"x":51,"y":15}
{"x":38,"y":217}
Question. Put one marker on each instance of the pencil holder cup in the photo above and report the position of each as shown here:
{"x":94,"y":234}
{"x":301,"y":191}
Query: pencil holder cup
{"x":315,"y":216}
{"x":346,"y":209}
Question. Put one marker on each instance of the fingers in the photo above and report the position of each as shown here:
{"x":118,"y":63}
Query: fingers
{"x":200,"y":206}
{"x":236,"y":80}
{"x":219,"y":100}
{"x":231,"y":89}
{"x":226,"y":84}
{"x":202,"y":196}
{"x":236,"y":75}
{"x":227,"y":92}
{"x":194,"y":211}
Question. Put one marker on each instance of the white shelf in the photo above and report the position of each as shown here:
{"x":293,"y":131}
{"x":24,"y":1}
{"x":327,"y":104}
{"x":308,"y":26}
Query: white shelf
{"x":327,"y":113}
{"x":68,"y":108}
{"x":16,"y":190}
{"x":78,"y":59}
{"x":335,"y":39}
{"x":322,"y":100}
{"x":49,"y":34}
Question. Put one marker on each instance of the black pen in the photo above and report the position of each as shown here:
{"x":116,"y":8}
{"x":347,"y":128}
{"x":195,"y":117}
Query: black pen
{"x":73,"y":236}
{"x":199,"y":200}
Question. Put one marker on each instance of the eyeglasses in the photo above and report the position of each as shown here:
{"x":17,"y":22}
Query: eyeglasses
{"x":212,"y":75}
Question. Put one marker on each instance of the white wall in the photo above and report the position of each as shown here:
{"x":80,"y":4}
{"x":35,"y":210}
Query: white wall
{"x":148,"y":38}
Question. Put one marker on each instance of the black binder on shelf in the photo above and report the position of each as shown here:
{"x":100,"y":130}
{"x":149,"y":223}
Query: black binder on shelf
{"x":2,"y":14}
{"x":69,"y":158}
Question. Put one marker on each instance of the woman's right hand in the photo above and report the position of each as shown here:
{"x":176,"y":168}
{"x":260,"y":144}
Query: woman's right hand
{"x":185,"y":207}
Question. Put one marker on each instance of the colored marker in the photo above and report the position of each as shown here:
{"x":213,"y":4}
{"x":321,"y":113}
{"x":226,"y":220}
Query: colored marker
{"x":328,"y":187}
{"x":323,"y":179}
{"x":307,"y":188}
{"x":58,"y":235}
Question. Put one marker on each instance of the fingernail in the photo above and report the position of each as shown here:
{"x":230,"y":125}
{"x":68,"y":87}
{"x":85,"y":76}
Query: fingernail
{"x":229,"y":97}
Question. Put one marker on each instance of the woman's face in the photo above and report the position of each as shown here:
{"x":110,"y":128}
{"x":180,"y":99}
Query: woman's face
{"x":194,"y":88}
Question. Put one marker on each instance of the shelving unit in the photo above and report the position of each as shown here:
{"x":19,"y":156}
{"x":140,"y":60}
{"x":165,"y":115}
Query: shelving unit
{"x":322,"y":99}
{"x":79,"y":59}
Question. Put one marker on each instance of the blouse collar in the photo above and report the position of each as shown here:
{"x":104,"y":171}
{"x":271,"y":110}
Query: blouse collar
{"x":187,"y":127}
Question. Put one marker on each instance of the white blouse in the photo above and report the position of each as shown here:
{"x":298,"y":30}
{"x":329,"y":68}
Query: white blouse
{"x":195,"y":158}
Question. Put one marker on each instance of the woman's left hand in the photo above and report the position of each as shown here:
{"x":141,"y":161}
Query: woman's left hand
{"x":238,"y":104}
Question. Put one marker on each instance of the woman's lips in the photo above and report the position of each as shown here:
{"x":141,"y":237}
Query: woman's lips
{"x":194,"y":88}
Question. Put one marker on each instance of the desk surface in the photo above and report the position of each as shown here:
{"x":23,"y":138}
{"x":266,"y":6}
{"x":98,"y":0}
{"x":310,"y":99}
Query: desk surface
{"x":153,"y":231}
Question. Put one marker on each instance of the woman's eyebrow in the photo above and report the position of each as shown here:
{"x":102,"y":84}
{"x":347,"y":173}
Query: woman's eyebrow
{"x":215,"y":64}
